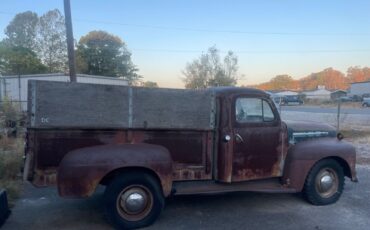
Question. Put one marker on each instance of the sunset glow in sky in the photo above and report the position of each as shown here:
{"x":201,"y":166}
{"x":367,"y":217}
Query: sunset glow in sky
{"x":269,"y":37}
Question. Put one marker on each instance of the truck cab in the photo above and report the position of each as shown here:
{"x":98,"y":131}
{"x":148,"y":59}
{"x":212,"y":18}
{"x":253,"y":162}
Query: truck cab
{"x":366,"y":102}
{"x":192,"y":142}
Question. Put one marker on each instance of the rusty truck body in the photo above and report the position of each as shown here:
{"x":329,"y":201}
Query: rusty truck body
{"x":147,"y":144}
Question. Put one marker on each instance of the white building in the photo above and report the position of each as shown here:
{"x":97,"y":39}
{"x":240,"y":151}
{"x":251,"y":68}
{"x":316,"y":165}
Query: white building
{"x":320,"y":94}
{"x":359,"y":88}
{"x":15,"y":87}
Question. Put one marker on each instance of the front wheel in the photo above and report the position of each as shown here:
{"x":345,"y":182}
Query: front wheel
{"x":133,"y":200}
{"x":324,"y":183}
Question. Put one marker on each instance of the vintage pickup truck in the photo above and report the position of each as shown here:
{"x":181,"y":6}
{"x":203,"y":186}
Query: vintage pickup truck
{"x":147,"y":144}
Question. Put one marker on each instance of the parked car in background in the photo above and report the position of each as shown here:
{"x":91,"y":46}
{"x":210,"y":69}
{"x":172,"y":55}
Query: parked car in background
{"x":366,"y":102}
{"x":366,"y":95}
{"x":346,"y":99}
{"x":291,"y":100}
{"x":278,"y":100}
{"x":356,"y":98}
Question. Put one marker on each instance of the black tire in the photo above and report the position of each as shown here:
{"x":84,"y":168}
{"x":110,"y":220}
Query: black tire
{"x":127,"y":184}
{"x":317,"y":189}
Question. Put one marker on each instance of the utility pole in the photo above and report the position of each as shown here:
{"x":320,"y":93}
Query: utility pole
{"x":70,"y":45}
{"x":338,"y":115}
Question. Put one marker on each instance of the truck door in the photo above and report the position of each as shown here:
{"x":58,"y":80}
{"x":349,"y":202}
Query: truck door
{"x":257,"y":139}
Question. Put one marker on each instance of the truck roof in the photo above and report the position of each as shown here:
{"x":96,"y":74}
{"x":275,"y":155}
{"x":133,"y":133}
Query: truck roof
{"x":225,"y":90}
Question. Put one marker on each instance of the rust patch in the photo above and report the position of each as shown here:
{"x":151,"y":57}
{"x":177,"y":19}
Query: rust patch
{"x":278,"y":167}
{"x":44,"y":178}
{"x":190,"y":152}
{"x":302,"y":156}
{"x":259,"y":155}
{"x":81,"y":170}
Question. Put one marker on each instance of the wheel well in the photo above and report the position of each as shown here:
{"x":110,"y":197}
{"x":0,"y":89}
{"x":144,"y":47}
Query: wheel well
{"x":343,"y":163}
{"x":108,"y":178}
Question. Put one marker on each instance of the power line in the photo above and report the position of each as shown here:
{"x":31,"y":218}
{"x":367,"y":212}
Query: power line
{"x":235,"y":51}
{"x":159,"y":27}
{"x":255,"y":51}
{"x":311,"y":51}
{"x":204,"y":30}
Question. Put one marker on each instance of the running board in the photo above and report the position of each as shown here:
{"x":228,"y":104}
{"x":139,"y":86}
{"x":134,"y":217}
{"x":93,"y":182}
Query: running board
{"x":209,"y":187}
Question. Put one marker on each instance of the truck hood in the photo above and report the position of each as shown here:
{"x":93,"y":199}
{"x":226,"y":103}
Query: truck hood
{"x":303,"y":130}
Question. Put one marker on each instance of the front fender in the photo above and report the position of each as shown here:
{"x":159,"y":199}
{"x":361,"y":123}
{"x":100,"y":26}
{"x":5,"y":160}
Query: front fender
{"x":302,"y":156}
{"x":81,"y":170}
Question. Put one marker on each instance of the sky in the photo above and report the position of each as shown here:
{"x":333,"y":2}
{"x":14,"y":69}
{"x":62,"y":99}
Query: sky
{"x":269,"y":37}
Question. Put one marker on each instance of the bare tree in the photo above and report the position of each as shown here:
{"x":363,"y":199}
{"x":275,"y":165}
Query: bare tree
{"x":208,"y":70}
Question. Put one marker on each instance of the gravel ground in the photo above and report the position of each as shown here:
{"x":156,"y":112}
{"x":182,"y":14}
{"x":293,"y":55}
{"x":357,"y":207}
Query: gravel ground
{"x":43,"y":209}
{"x":362,"y":145}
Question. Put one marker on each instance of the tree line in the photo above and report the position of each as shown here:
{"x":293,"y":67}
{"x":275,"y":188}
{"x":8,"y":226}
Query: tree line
{"x":37,"y":44}
{"x":332,"y":80}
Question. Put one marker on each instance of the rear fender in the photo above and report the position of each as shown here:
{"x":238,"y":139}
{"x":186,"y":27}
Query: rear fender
{"x":81,"y":170}
{"x":302,"y":156}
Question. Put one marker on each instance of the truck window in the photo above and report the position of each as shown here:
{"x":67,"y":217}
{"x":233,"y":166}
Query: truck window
{"x":253,"y":110}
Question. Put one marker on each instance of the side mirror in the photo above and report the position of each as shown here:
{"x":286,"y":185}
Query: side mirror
{"x":340,"y":136}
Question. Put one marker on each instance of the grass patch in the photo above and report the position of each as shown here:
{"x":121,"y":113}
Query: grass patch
{"x":361,"y":140}
{"x":11,"y":161}
{"x":333,"y":104}
{"x":353,"y":133}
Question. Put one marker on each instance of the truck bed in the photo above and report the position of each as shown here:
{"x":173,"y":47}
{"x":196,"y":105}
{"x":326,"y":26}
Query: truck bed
{"x":66,"y":116}
{"x":191,"y":151}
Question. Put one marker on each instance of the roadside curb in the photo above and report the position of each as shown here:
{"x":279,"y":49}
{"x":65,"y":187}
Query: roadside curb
{"x":4,"y":208}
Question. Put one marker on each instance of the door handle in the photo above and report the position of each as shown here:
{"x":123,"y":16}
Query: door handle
{"x":227,"y":138}
{"x":238,"y":138}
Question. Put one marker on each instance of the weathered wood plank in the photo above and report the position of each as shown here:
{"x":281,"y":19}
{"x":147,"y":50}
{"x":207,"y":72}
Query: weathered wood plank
{"x":171,"y":108}
{"x":77,"y":105}
{"x":60,"y":104}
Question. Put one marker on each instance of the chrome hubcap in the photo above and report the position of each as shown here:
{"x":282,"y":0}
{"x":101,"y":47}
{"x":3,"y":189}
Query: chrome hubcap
{"x":134,"y":202}
{"x":327,"y":182}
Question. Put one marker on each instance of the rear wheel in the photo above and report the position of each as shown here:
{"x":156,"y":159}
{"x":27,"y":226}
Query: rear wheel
{"x":133,"y":200}
{"x":324,"y":183}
